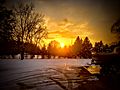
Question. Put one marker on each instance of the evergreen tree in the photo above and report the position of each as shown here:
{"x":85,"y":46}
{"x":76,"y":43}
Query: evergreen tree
{"x":77,"y":47}
{"x":86,"y":48}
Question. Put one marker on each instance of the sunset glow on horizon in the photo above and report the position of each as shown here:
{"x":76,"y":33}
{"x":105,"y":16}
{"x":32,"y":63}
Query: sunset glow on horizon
{"x":66,"y":31}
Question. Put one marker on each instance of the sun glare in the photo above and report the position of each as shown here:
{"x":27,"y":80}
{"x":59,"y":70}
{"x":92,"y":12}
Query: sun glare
{"x":62,"y":45}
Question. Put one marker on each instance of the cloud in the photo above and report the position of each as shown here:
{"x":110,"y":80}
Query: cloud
{"x":62,"y":34}
{"x":67,"y":28}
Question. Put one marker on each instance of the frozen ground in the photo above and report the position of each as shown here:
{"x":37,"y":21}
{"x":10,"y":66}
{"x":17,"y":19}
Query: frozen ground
{"x":44,"y":74}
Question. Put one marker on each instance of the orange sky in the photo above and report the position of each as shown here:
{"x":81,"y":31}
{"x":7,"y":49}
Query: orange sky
{"x":66,"y":31}
{"x":67,"y":19}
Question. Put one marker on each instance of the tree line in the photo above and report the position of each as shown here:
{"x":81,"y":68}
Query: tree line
{"x":80,"y":49}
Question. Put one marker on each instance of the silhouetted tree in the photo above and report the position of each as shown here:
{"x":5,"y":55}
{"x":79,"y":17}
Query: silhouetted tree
{"x":77,"y":47}
{"x":98,"y":48}
{"x":44,"y":51}
{"x":53,"y":48}
{"x":6,"y":22}
{"x":70,"y":53}
{"x":106,"y":48}
{"x":7,"y":45}
{"x":49,"y":48}
{"x":29,"y":25}
{"x":32,"y":49}
{"x":86,"y":48}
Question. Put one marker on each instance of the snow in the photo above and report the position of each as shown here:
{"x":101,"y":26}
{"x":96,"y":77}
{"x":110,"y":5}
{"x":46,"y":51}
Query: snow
{"x":32,"y":64}
{"x":15,"y":71}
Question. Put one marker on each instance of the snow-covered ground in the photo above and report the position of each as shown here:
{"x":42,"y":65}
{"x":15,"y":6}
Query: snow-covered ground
{"x":14,"y":66}
{"x":43,"y":74}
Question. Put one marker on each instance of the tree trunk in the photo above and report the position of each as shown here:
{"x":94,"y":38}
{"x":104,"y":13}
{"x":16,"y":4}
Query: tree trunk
{"x":43,"y":56}
{"x":22,"y":52}
{"x":22,"y":55}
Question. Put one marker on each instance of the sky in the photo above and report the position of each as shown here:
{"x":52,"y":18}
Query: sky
{"x":67,"y":19}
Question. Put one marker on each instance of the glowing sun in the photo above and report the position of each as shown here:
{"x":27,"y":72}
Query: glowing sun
{"x":62,"y":45}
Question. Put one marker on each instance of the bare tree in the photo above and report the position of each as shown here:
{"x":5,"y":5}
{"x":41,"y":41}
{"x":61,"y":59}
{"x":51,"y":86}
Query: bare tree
{"x":29,"y":26}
